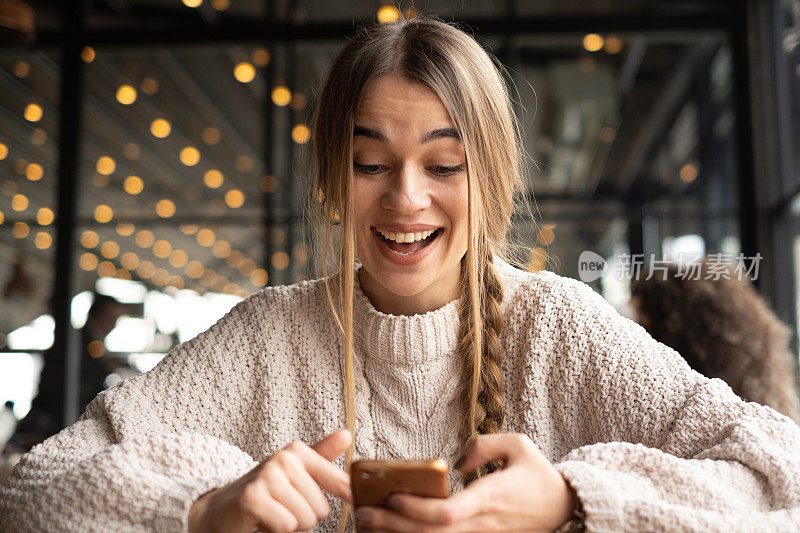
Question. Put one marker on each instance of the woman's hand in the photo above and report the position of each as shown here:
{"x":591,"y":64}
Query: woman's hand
{"x":527,"y":494}
{"x":281,"y":494}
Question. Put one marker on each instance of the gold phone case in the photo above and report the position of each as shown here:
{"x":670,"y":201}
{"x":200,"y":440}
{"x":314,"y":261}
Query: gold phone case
{"x":373,"y":480}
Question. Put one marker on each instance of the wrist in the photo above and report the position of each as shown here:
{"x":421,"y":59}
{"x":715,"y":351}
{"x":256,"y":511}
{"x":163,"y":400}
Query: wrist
{"x":196,"y":518}
{"x":574,"y":523}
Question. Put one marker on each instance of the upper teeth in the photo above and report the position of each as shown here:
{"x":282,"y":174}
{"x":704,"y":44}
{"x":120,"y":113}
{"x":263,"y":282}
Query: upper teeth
{"x":405,"y":237}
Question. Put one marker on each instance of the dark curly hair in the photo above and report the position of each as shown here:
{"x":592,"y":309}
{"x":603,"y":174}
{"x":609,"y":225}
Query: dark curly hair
{"x":717,"y":321}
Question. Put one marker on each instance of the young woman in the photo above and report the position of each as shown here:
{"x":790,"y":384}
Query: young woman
{"x":423,"y":344}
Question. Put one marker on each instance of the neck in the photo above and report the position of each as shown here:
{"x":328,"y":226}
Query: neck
{"x":430,"y":299}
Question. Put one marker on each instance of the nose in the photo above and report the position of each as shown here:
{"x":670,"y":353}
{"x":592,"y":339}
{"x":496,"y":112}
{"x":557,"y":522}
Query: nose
{"x":406,"y":192}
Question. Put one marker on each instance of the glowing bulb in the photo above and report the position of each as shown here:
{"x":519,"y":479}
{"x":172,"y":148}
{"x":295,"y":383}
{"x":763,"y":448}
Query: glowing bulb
{"x":162,"y":249}
{"x":19,"y":202}
{"x":234,"y":198}
{"x":109,"y":249}
{"x":3,"y":151}
{"x":259,"y":277}
{"x":126,"y":94}
{"x":688,"y":173}
{"x":149,"y":86}
{"x":281,"y":95}
{"x":145,"y":238}
{"x":178,"y":258}
{"x":33,"y":113}
{"x":21,"y":69}
{"x":213,"y":179}
{"x":301,"y":133}
{"x":280,"y":260}
{"x":106,"y":165}
{"x":244,"y":72}
{"x":221,"y":249}
{"x":219,"y":5}
{"x":269,"y":183}
{"x":192,"y":3}
{"x":38,"y":136}
{"x":129,"y":260}
{"x":133,"y":185}
{"x":34,"y":172}
{"x":593,"y":42}
{"x":188,"y":229}
{"x":43,"y":240}
{"x":145,"y":269}
{"x":131,"y":151}
{"x":160,"y":128}
{"x":125,"y":229}
{"x":45,"y":216}
{"x":387,"y":14}
{"x":88,"y":261}
{"x":165,"y":208}
{"x":87,"y":54}
{"x":89,"y":239}
{"x":103,"y":213}
{"x":20,"y":230}
{"x":205,"y":237}
{"x":211,"y":135}
{"x":261,"y":57}
{"x":194,"y":269}
{"x":613,"y":45}
{"x":189,"y":156}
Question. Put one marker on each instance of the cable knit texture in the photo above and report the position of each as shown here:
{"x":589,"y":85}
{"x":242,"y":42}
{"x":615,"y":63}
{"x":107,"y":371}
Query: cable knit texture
{"x":647,"y":443}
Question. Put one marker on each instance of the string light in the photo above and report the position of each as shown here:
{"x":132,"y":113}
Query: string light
{"x":145,"y":238}
{"x":149,"y":86}
{"x":165,"y":208}
{"x":244,"y":72}
{"x":221,"y":249}
{"x":192,"y":3}
{"x":160,"y":128}
{"x":247,"y":267}
{"x":280,"y":260}
{"x":43,"y":240}
{"x":213,"y":178}
{"x":387,"y":14}
{"x":19,"y":202}
{"x":89,"y":239}
{"x":45,"y":216}
{"x":593,"y":42}
{"x":261,"y":57}
{"x":269,"y":183}
{"x":220,"y":5}
{"x":211,"y":135}
{"x":109,"y":250}
{"x":106,"y":165}
{"x":298,"y":102}
{"x":103,"y":213}
{"x":34,"y":172}
{"x":244,"y":163}
{"x":235,"y":259}
{"x":160,"y":276}
{"x":133,"y":185}
{"x":205,"y":237}
{"x":20,"y":230}
{"x":38,"y":136}
{"x":96,"y":349}
{"x":2,"y":217}
{"x":33,"y":112}
{"x":125,"y":229}
{"x":87,"y":54}
{"x":21,"y":69}
{"x":3,"y":151}
{"x":121,"y":273}
{"x":106,"y":269}
{"x":188,"y":229}
{"x":189,"y":156}
{"x":131,"y":151}
{"x":88,"y":261}
{"x":281,"y":95}
{"x":162,"y":249}
{"x":175,"y":281}
{"x":194,"y":269}
{"x":546,"y":236}
{"x":126,"y":94}
{"x":300,"y":253}
{"x":613,"y":45}
{"x":129,"y":260}
{"x":145,"y":269}
{"x":301,"y":134}
{"x":178,"y":258}
{"x":688,"y":173}
{"x":234,"y":198}
{"x":259,"y":277}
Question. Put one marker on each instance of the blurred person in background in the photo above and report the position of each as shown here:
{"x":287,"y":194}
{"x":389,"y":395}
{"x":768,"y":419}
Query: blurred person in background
{"x":717,"y":321}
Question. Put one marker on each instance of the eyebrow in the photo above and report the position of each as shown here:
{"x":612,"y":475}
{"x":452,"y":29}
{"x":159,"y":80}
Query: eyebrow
{"x":440,"y":133}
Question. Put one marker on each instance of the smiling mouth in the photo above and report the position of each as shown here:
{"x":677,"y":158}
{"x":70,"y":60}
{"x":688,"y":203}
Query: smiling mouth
{"x":407,"y":248}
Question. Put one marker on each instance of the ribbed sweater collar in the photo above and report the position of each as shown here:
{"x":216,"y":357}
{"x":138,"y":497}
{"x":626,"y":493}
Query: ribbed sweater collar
{"x":402,"y":340}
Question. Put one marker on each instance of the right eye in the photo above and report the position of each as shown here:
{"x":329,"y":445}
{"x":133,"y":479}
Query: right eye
{"x":367,"y":169}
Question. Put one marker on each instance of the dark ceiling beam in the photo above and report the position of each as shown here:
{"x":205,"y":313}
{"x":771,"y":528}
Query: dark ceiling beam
{"x":193,"y":30}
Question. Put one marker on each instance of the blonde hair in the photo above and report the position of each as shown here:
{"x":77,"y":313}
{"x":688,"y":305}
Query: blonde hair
{"x":473,"y":91}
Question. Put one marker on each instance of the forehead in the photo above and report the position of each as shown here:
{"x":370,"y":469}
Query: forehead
{"x":392,"y":102}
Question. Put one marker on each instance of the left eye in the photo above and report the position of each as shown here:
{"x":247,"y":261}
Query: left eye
{"x":447,"y":171}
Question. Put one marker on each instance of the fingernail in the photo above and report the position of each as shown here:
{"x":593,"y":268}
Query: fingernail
{"x":393,"y":503}
{"x":460,"y":462}
{"x":363,"y":515}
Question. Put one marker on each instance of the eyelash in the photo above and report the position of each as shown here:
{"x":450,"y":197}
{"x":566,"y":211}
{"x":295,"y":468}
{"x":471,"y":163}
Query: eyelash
{"x":442,"y":171}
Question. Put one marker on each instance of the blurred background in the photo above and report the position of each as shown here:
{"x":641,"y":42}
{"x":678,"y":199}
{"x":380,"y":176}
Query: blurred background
{"x":153,"y":152}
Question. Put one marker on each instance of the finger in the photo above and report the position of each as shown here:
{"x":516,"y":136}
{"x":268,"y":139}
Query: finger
{"x":325,"y":474}
{"x":380,"y":519}
{"x":333,"y":445}
{"x":460,"y":506}
{"x":487,"y":447}
{"x":284,"y":492}
{"x":306,"y":486}
{"x":268,"y":513}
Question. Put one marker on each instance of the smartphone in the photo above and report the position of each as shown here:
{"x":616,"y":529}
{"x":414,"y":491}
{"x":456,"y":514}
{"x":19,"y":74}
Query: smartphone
{"x":374,"y":480}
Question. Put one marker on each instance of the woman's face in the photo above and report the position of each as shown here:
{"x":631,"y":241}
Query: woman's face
{"x":409,"y":197}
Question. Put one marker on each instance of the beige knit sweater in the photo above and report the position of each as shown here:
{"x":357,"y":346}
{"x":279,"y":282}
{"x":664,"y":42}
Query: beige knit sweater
{"x":647,"y":443}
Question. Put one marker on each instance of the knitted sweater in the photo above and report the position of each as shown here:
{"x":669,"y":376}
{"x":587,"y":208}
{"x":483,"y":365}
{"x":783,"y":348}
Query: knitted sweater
{"x":647,"y":443}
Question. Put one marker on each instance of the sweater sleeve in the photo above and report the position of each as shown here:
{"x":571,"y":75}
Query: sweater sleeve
{"x":661,"y":447}
{"x":144,"y":450}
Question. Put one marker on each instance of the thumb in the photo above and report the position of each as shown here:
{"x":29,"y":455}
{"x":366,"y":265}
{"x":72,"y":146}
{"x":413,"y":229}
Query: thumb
{"x":483,"y":448}
{"x":333,"y":445}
